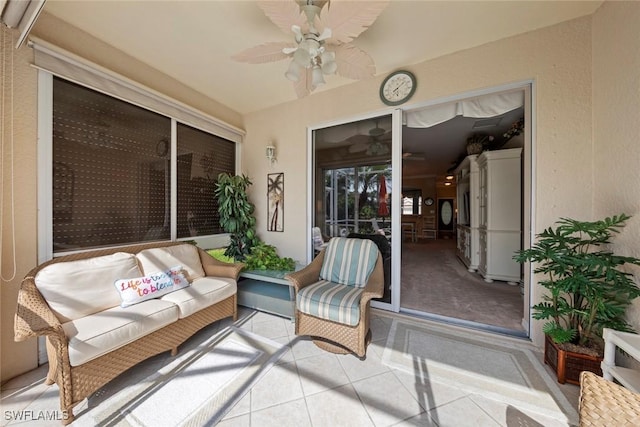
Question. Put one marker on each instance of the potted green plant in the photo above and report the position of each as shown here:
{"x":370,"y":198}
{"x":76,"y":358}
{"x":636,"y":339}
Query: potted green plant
{"x":236,"y":214}
{"x":586,"y":291}
{"x":265,"y":257}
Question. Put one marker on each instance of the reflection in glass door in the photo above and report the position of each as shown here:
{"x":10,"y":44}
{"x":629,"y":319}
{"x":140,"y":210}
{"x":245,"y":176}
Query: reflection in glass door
{"x":352,"y":185}
{"x":356,"y":200}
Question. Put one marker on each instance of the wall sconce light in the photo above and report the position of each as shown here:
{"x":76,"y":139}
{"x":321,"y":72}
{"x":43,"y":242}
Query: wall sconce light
{"x":271,"y":153}
{"x":447,"y":183}
{"x":449,"y":177}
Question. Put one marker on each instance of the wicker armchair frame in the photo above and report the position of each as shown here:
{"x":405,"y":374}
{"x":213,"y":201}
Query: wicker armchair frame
{"x":34,"y":318}
{"x":332,"y":336}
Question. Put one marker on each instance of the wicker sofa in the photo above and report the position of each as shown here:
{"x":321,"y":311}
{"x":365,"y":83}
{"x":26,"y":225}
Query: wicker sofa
{"x":90,"y":338}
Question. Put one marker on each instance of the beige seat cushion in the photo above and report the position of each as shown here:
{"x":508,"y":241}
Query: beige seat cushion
{"x":202,"y":293}
{"x":162,"y":259}
{"x":102,"y":332}
{"x":76,"y":289}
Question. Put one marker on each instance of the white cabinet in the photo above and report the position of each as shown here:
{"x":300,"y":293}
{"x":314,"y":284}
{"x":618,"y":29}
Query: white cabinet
{"x":499,"y":214}
{"x":467,"y":194}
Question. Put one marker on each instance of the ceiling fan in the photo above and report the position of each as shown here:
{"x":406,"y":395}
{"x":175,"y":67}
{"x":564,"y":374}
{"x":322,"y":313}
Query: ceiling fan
{"x":376,"y":143}
{"x":322,"y":32}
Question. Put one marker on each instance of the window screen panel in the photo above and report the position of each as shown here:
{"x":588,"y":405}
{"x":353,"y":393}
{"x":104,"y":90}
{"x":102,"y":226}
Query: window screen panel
{"x":111,"y":170}
{"x":201,"y":158}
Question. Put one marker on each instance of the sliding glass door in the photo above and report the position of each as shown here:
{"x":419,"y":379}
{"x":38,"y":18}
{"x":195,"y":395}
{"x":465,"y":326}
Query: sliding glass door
{"x":353,"y":185}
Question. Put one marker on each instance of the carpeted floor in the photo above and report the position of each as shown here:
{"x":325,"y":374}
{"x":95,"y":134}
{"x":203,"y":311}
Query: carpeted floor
{"x":435,"y":281}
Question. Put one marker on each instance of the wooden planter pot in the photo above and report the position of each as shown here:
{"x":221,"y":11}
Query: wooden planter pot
{"x":568,"y":364}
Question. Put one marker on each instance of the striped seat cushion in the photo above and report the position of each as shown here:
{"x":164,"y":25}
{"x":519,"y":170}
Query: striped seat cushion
{"x":349,"y":261}
{"x":331,"y":301}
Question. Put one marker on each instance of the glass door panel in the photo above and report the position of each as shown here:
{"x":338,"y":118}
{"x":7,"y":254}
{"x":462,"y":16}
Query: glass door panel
{"x":352,"y":184}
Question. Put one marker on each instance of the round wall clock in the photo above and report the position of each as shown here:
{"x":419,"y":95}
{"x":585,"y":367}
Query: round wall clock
{"x":398,"y":87}
{"x":428,"y":201}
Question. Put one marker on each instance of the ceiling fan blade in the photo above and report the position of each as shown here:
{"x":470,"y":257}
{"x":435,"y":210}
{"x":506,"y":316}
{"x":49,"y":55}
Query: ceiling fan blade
{"x":284,"y":14}
{"x":358,"y":148}
{"x":412,"y":156}
{"x":267,"y":52}
{"x":359,"y":139}
{"x":348,"y":19}
{"x":353,"y":62}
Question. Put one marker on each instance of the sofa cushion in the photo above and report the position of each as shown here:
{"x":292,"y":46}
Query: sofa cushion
{"x":74,"y":289}
{"x":153,"y":285}
{"x":331,"y":301}
{"x":162,"y":259}
{"x":102,"y":332}
{"x":202,"y":293}
{"x":349,"y":261}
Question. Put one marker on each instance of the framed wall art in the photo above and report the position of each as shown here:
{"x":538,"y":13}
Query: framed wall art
{"x":275,"y":201}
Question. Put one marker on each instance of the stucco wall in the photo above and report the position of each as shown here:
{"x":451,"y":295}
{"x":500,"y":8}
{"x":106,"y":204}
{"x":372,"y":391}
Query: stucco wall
{"x":616,"y":128}
{"x":18,"y":184}
{"x":558,"y":58}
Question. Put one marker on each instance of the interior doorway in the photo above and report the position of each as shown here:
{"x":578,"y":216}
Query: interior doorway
{"x":467,"y":274}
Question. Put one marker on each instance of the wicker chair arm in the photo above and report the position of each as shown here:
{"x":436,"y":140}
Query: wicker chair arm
{"x":375,"y":284}
{"x":215,"y":267}
{"x":33,"y":315}
{"x":308,"y":275}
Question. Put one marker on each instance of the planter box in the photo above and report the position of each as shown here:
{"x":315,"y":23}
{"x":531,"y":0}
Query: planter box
{"x":568,"y":364}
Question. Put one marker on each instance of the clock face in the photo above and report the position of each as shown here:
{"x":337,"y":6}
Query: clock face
{"x":428,"y":201}
{"x":397,"y":88}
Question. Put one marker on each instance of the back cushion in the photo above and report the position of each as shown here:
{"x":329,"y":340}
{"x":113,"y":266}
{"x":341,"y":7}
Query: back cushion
{"x":76,"y":289}
{"x":163,"y":259}
{"x":349,"y":261}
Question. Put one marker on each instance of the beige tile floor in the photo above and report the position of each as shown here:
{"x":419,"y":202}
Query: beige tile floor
{"x":310,"y":387}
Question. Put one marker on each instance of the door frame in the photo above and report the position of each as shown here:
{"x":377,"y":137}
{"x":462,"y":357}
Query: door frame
{"x":529,"y":180}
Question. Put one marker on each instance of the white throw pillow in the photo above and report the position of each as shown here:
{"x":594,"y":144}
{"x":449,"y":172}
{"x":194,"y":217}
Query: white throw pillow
{"x":135,"y":290}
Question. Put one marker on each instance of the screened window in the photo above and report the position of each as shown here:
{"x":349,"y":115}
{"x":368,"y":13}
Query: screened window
{"x":201,"y":158}
{"x":112,"y":179}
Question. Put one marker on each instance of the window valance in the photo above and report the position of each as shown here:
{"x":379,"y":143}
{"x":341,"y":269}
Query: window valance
{"x":482,"y":107}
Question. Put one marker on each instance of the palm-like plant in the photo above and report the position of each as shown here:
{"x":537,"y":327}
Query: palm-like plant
{"x":236,"y":214}
{"x":587,"y":290}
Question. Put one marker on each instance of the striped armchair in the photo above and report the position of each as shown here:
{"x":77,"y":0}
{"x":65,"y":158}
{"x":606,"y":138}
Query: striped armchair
{"x":333,"y":295}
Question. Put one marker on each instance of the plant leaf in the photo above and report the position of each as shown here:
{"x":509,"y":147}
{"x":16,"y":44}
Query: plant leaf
{"x":353,"y":62}
{"x":348,"y":19}
{"x":267,"y":52}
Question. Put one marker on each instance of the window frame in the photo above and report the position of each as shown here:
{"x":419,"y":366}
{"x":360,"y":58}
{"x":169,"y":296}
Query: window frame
{"x":45,"y":169}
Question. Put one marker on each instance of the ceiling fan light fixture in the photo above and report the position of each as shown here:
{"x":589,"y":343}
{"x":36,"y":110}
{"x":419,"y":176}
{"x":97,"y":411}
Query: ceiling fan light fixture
{"x":293,"y":73}
{"x":317,"y":79}
{"x":328,"y":62}
{"x":302,"y":57}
